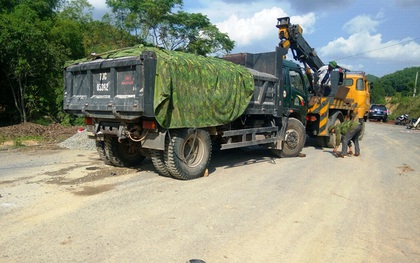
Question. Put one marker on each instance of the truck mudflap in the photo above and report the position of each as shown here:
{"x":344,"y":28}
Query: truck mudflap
{"x":154,"y":140}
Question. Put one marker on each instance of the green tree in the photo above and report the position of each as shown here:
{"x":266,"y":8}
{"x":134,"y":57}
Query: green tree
{"x":141,"y":16}
{"x":377,"y":95}
{"x":101,"y":36}
{"x":191,"y":33}
{"x":77,"y":10}
{"x":29,"y":59}
{"x":154,"y":21}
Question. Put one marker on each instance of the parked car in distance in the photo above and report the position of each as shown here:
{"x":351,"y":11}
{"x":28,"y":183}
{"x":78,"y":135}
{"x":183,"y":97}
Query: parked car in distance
{"x":378,"y":112}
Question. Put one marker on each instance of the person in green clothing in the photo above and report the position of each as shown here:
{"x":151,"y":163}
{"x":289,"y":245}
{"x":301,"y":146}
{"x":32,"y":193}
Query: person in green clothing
{"x":345,"y":132}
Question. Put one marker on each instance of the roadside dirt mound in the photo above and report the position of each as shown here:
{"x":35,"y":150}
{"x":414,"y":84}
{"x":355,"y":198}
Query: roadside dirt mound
{"x":51,"y":134}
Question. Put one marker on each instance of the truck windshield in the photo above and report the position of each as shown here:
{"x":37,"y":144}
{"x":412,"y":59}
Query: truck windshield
{"x":359,"y":84}
{"x":296,"y":80}
{"x":350,"y":82}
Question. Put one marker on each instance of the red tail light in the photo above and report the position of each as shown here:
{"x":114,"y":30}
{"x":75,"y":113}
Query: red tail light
{"x":311,"y":118}
{"x":149,"y":125}
{"x":88,"y":121}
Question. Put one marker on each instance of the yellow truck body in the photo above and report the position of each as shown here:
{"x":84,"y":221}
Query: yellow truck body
{"x":352,"y":100}
{"x":359,"y":92}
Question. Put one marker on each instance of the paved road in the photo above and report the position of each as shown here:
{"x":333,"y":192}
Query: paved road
{"x":65,"y":206}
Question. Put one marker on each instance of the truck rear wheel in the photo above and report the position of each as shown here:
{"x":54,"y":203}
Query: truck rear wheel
{"x":329,"y":141}
{"x":122,"y":154}
{"x":294,"y":140}
{"x":158,"y":160}
{"x":100,"y":148}
{"x":188,"y":154}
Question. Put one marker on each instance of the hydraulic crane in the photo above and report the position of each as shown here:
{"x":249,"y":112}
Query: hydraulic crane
{"x":347,"y":97}
{"x":291,"y":37}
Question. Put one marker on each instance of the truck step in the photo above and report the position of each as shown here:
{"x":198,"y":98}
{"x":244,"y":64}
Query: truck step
{"x":248,"y":137}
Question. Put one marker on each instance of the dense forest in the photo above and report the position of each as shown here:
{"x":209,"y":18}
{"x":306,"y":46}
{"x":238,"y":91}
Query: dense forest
{"x":400,"y":83}
{"x":399,"y":91}
{"x":37,"y":37}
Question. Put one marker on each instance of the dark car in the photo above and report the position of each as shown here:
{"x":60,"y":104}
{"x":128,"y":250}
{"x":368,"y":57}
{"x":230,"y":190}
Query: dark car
{"x":378,"y":112}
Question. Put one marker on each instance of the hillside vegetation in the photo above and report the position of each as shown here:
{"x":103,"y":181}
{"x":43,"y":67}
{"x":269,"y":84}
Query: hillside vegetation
{"x":396,"y":90}
{"x":37,"y":37}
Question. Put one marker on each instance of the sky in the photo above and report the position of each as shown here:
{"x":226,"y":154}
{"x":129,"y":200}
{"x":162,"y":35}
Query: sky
{"x":378,"y":37}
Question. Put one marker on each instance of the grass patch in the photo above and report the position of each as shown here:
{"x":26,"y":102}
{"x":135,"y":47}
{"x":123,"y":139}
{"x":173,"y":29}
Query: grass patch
{"x":21,"y":140}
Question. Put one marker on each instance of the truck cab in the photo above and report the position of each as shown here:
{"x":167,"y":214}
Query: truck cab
{"x":296,"y":91}
{"x":280,"y":87}
{"x":359,"y":92}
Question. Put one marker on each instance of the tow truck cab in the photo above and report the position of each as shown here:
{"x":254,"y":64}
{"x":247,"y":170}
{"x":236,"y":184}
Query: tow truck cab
{"x":359,"y":92}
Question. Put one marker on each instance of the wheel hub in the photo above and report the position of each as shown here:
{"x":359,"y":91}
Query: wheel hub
{"x":292,"y":139}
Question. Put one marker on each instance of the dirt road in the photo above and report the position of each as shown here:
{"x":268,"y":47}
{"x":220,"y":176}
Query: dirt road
{"x":65,"y":206}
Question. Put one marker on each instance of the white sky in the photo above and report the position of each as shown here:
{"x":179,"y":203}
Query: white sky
{"x":375,"y":36}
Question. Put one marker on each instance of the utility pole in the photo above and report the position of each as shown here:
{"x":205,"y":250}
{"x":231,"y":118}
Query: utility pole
{"x":415,"y":84}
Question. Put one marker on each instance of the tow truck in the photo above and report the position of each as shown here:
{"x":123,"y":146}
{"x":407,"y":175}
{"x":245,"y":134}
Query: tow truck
{"x":349,"y":97}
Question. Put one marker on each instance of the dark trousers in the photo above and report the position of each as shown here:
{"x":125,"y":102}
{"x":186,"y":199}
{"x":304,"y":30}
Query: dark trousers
{"x":352,"y":135}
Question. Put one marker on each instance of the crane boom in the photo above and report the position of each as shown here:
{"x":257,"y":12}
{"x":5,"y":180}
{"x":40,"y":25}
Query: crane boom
{"x":291,"y":37}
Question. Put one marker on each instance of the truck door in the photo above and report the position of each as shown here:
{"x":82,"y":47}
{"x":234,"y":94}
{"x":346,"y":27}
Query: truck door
{"x":359,"y":92}
{"x":296,"y":98}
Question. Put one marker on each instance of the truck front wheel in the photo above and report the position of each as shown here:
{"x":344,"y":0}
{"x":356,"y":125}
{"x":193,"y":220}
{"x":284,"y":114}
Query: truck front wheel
{"x":294,"y":139}
{"x":122,"y":154}
{"x":188,"y":154}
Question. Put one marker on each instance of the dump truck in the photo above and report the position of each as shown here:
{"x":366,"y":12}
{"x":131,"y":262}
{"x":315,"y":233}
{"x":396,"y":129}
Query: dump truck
{"x":174,"y":107}
{"x":348,"y":96}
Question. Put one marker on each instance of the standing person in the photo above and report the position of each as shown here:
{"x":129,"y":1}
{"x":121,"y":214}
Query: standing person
{"x":345,"y":132}
{"x":323,"y":73}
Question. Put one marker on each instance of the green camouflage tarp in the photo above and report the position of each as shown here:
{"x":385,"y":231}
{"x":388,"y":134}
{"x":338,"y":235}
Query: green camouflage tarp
{"x":195,"y":91}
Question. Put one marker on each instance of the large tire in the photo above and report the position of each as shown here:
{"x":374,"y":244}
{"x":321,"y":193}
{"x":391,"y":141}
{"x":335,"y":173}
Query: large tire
{"x":188,"y":154}
{"x":294,"y":140}
{"x":100,"y":148}
{"x":122,"y":154}
{"x":322,"y":141}
{"x":330,"y":140}
{"x":158,"y":160}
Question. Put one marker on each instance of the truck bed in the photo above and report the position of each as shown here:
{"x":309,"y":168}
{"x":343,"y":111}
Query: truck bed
{"x":178,"y":89}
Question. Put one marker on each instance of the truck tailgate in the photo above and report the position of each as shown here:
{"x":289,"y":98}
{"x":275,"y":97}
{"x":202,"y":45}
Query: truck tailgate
{"x":110,"y":88}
